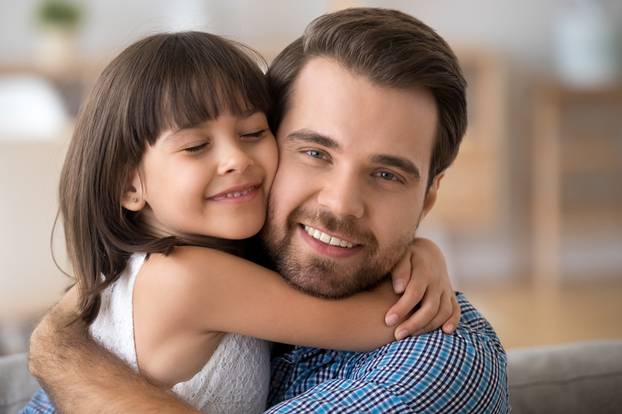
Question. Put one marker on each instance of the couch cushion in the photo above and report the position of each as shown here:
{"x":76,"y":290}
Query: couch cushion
{"x":17,"y":386}
{"x":574,"y":378}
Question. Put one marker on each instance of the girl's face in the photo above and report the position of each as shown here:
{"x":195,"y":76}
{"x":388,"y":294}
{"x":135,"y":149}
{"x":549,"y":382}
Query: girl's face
{"x":209,"y":180}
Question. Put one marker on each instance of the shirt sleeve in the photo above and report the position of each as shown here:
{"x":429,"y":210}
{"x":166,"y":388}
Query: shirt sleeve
{"x":431,"y":373}
{"x":39,"y":404}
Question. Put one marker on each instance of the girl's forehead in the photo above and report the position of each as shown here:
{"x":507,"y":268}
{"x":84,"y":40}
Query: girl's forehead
{"x":226,"y":118}
{"x":184,"y":111}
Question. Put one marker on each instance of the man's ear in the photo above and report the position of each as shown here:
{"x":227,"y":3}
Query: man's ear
{"x":133,"y":197}
{"x":430,"y":197}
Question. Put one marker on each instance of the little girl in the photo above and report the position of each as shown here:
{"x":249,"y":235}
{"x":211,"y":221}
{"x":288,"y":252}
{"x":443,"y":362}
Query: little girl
{"x":167,"y":173}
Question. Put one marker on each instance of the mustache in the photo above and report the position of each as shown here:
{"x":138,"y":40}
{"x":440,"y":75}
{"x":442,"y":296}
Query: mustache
{"x":346,"y":227}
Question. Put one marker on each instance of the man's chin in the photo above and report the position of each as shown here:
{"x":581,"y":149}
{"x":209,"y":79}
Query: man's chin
{"x":330,"y":283}
{"x":320,"y":290}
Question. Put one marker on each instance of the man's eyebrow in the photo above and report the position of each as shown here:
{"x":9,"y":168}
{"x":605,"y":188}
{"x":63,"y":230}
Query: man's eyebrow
{"x":313,"y":137}
{"x":398,"y":162}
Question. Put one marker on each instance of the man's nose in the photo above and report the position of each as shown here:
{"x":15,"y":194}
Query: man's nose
{"x":342,"y":195}
{"x":232,"y":158}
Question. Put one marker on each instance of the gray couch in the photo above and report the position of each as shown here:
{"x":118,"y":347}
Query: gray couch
{"x":576,"y":378}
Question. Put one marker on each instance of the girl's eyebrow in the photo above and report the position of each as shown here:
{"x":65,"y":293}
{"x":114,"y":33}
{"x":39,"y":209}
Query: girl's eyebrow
{"x":174,"y":132}
{"x":249,"y":113}
{"x":173,"y":135}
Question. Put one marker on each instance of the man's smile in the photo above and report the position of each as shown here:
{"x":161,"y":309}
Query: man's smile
{"x":326,"y":244}
{"x":327,"y":238}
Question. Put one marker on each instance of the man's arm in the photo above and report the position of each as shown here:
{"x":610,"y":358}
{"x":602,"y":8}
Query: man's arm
{"x":80,"y":376}
{"x":431,"y":373}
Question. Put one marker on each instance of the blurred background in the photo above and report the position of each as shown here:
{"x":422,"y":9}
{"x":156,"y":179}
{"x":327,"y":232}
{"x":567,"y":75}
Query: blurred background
{"x":529,"y":216}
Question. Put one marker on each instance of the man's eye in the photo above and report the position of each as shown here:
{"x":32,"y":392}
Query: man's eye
{"x":254,"y":136}
{"x":315,"y":154}
{"x":196,"y":148}
{"x":388,"y":176}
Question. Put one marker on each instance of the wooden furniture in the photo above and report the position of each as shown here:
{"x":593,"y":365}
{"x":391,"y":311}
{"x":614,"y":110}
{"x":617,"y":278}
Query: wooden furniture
{"x":577,"y":170}
{"x":473,"y":194}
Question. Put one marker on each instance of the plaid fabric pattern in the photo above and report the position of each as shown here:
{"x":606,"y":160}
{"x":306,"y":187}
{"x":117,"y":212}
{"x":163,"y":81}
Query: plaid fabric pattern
{"x":39,"y":404}
{"x":432,"y":373}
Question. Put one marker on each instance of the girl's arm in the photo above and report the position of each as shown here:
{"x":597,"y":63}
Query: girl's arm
{"x":205,"y":290}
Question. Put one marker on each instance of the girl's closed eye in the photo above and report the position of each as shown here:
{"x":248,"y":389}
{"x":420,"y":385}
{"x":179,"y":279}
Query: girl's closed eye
{"x":255,"y":135}
{"x":196,"y":147}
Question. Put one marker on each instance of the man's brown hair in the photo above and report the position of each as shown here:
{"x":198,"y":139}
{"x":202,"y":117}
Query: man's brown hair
{"x":392,"y":49}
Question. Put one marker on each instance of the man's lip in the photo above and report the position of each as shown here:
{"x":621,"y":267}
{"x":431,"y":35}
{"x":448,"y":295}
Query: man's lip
{"x":324,"y":249}
{"x":236,"y":189}
{"x":323,"y":230}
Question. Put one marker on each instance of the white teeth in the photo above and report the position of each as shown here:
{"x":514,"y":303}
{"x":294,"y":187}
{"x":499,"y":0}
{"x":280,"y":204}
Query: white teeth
{"x":325,"y":238}
{"x":335,"y":242}
{"x":238,"y":194}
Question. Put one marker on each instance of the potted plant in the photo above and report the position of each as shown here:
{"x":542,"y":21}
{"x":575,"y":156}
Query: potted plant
{"x":59,"y":21}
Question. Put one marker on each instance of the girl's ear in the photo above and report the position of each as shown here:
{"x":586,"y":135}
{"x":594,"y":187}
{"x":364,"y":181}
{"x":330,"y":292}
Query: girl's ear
{"x":133,"y":197}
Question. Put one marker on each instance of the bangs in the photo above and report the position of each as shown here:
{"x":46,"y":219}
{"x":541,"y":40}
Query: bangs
{"x":194,"y":77}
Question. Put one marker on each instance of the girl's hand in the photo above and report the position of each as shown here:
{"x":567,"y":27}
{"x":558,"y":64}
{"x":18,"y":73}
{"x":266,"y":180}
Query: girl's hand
{"x":422,"y":277}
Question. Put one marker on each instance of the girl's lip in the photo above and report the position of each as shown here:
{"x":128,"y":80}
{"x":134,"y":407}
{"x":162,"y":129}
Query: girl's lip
{"x":236,"y":189}
{"x":250,"y":191}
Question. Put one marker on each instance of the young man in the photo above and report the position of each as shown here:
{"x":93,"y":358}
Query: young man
{"x":370,"y":111}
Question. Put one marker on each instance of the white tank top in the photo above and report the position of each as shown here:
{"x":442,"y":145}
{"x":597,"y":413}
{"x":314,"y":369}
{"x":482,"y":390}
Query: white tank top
{"x":234,"y":380}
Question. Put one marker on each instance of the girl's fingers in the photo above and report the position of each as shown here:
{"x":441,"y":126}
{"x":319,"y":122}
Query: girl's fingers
{"x":401,"y":274}
{"x":410,"y":299}
{"x":452,"y":323}
{"x":434,"y":323}
{"x":421,"y":318}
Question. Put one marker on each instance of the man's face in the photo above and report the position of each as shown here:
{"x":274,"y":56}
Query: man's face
{"x":351,"y":185}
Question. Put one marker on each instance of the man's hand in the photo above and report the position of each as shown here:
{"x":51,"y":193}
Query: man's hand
{"x":422,"y":277}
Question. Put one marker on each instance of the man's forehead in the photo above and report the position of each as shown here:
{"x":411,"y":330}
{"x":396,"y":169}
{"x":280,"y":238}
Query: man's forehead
{"x":360,"y":115}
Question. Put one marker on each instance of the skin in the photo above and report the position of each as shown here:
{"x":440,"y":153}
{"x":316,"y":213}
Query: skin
{"x":348,"y":185}
{"x":194,"y":167}
{"x":347,"y":159}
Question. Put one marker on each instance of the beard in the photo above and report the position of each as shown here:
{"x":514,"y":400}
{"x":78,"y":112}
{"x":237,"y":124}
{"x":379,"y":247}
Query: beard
{"x":323,"y":276}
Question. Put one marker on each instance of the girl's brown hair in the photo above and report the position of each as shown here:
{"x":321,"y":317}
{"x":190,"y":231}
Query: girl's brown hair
{"x":172,"y":80}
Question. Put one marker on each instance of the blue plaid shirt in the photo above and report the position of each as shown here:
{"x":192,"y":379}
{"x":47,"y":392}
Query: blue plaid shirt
{"x":432,"y":373}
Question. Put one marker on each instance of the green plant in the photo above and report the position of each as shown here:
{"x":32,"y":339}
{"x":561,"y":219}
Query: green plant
{"x":59,"y":13}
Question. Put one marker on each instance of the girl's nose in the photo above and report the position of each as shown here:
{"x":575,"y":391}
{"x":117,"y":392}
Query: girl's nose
{"x":234,"y":159}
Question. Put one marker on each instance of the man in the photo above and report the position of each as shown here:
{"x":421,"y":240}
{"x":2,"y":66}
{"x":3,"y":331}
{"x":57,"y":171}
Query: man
{"x":370,"y":111}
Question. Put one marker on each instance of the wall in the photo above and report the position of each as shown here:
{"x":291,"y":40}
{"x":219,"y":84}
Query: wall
{"x":28,"y":185}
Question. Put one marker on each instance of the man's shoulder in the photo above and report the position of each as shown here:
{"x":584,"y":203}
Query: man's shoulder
{"x":474,"y":344}
{"x":469,"y":365}
{"x":471,"y":319}
{"x":473,"y":327}
{"x":434,"y":372}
